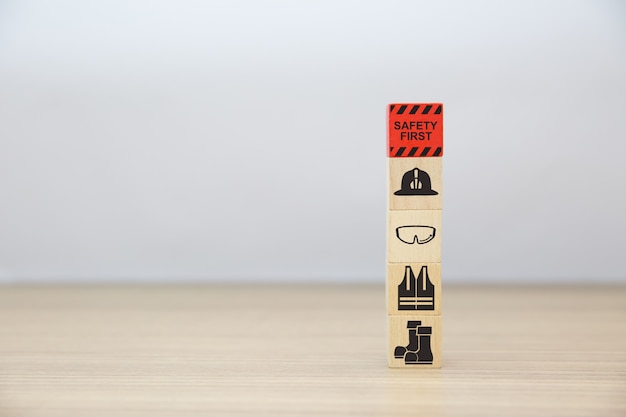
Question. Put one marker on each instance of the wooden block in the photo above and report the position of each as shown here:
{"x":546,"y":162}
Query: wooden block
{"x":414,"y":288}
{"x":414,"y":183}
{"x":415,"y":129}
{"x":414,"y":236}
{"x":414,"y":342}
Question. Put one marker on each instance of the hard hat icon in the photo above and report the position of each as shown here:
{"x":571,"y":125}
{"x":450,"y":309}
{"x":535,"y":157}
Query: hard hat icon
{"x":416,"y":182}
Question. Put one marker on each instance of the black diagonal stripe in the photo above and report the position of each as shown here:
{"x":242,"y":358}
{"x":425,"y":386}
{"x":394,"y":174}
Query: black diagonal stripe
{"x":412,"y":151}
{"x":437,"y":152}
{"x":390,"y":150}
{"x":438,"y":111}
{"x":427,"y":109}
{"x":414,"y":109}
{"x":401,"y":109}
{"x":400,"y":151}
{"x":425,"y":151}
{"x":391,"y":106}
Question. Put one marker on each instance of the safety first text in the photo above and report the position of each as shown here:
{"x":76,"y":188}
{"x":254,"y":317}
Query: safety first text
{"x":415,"y":130}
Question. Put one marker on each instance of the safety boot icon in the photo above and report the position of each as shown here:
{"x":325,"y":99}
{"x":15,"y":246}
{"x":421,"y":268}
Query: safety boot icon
{"x":418,"y":351}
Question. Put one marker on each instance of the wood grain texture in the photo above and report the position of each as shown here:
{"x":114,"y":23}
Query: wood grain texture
{"x":413,"y":224}
{"x":396,"y":278}
{"x":397,"y":167}
{"x":399,"y":339}
{"x":309,"y":350}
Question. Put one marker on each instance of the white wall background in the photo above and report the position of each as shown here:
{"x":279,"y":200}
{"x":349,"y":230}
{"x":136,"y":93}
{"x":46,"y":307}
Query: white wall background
{"x":225,"y":140}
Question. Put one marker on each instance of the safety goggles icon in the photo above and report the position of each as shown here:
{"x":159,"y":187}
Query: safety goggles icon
{"x":415,"y":234}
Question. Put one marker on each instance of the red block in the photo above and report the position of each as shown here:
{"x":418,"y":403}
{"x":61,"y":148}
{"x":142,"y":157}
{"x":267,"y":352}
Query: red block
{"x":415,"y":130}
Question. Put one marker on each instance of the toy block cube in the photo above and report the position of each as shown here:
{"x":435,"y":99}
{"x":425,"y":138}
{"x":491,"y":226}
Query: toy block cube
{"x":414,"y":288}
{"x":414,"y":183}
{"x":413,"y":236}
{"x":415,"y":130}
{"x":414,"y":342}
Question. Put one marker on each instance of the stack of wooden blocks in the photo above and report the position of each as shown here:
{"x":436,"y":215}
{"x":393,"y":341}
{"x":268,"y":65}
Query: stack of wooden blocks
{"x":415,"y":150}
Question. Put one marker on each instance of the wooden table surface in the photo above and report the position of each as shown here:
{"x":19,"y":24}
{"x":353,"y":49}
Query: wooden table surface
{"x":318,"y":350}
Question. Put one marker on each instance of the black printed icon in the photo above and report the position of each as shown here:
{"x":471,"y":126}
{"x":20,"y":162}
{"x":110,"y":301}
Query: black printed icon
{"x":416,"y":182}
{"x":416,"y":294}
{"x":418,"y":351}
{"x":415,"y":234}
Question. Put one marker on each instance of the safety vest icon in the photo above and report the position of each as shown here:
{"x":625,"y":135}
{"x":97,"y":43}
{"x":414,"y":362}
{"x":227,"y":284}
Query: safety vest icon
{"x":416,"y":294}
